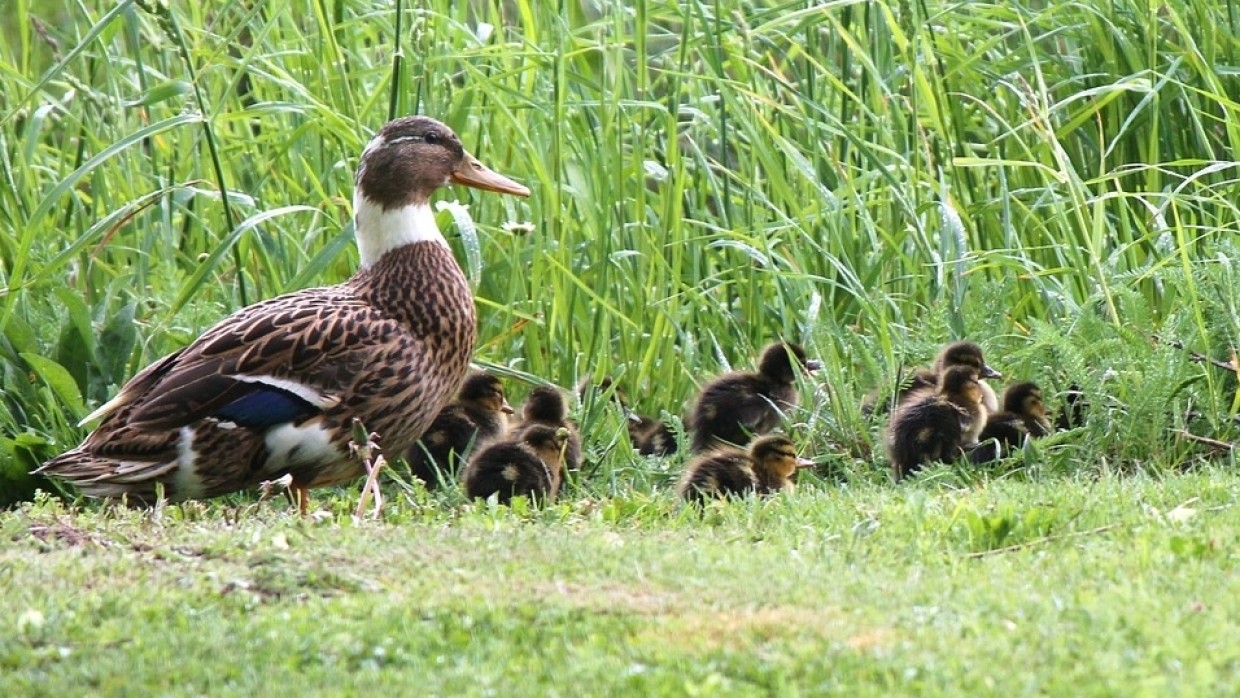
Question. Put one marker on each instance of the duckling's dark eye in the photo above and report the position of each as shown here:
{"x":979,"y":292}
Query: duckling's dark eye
{"x":432,"y":139}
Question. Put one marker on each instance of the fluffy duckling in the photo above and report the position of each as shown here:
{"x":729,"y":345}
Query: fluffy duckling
{"x":546,"y":406}
{"x":937,"y":424}
{"x":954,"y":354}
{"x":768,"y":467}
{"x":738,"y":405}
{"x":1024,"y":414}
{"x":274,"y":390}
{"x":529,"y":464}
{"x":1073,"y":413}
{"x":476,"y":417}
{"x":650,"y":436}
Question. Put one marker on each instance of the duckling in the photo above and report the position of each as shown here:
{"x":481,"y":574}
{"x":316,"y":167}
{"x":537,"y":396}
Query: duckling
{"x":1024,"y":414}
{"x":650,"y":436}
{"x":529,"y":464}
{"x":954,"y":354}
{"x":937,"y":424}
{"x":768,"y":467}
{"x":274,"y":389}
{"x":1074,"y":406}
{"x":476,"y":417}
{"x":738,"y":405}
{"x":545,"y":405}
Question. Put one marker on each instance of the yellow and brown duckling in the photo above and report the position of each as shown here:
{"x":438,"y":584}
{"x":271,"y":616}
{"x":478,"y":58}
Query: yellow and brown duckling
{"x":273,"y":390}
{"x":737,"y":406}
{"x":1024,"y":414}
{"x":530,"y":464}
{"x":766,"y":468}
{"x":545,"y":406}
{"x":649,"y":436}
{"x":476,"y":417}
{"x":962,"y":353}
{"x":936,"y":424}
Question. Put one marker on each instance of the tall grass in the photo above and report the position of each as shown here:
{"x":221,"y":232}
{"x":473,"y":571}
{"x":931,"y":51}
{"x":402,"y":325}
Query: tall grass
{"x":1056,"y":180}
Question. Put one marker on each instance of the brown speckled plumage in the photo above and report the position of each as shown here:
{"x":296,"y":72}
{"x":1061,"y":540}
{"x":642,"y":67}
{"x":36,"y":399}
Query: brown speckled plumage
{"x":737,"y":406}
{"x":274,"y":388}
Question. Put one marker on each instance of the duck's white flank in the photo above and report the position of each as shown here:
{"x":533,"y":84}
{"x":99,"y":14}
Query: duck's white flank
{"x":379,"y":231}
{"x":289,"y":445}
{"x":187,"y":482}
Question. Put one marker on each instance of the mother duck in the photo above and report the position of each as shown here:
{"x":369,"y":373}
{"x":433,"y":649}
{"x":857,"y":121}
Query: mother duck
{"x":273,"y":389}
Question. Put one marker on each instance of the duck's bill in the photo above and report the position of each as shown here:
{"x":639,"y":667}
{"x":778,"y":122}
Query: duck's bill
{"x":472,"y":173}
{"x":813,"y":365}
{"x":506,"y":408}
{"x":988,"y":372}
{"x":803,"y":463}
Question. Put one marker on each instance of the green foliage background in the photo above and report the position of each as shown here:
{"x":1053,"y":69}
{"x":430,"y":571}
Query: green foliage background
{"x":1054,"y":180}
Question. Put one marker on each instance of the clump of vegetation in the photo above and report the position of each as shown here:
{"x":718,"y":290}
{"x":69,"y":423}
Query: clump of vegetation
{"x":1055,"y":181}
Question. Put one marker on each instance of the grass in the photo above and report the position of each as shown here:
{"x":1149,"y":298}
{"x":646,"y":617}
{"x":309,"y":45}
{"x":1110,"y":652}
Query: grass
{"x":1054,"y":180}
{"x":1122,"y":585}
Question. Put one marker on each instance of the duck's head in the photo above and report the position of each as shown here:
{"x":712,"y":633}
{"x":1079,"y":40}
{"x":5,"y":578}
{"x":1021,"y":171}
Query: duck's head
{"x":407,"y":160}
{"x":545,"y":404}
{"x":961,"y":385}
{"x":486,"y":391}
{"x":1024,"y":399}
{"x":548,"y":443}
{"x":776,"y":455}
{"x":964,"y":354}
{"x":778,"y":361}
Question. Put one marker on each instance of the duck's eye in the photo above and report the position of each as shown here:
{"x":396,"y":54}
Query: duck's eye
{"x":432,"y":139}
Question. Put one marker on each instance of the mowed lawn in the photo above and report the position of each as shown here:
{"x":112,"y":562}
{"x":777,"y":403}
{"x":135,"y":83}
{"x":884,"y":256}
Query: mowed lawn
{"x":1101,"y":586}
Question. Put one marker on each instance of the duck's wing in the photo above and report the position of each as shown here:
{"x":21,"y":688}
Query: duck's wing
{"x":275,"y":362}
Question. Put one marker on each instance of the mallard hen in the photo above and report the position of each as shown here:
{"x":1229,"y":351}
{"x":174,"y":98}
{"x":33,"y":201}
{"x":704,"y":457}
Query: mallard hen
{"x":274,"y":389}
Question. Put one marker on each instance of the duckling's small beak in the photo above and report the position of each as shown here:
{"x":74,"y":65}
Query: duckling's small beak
{"x":812,"y":365}
{"x":506,"y":408}
{"x":988,"y":372}
{"x":633,"y":416}
{"x":803,"y":463}
{"x":474,"y":174}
